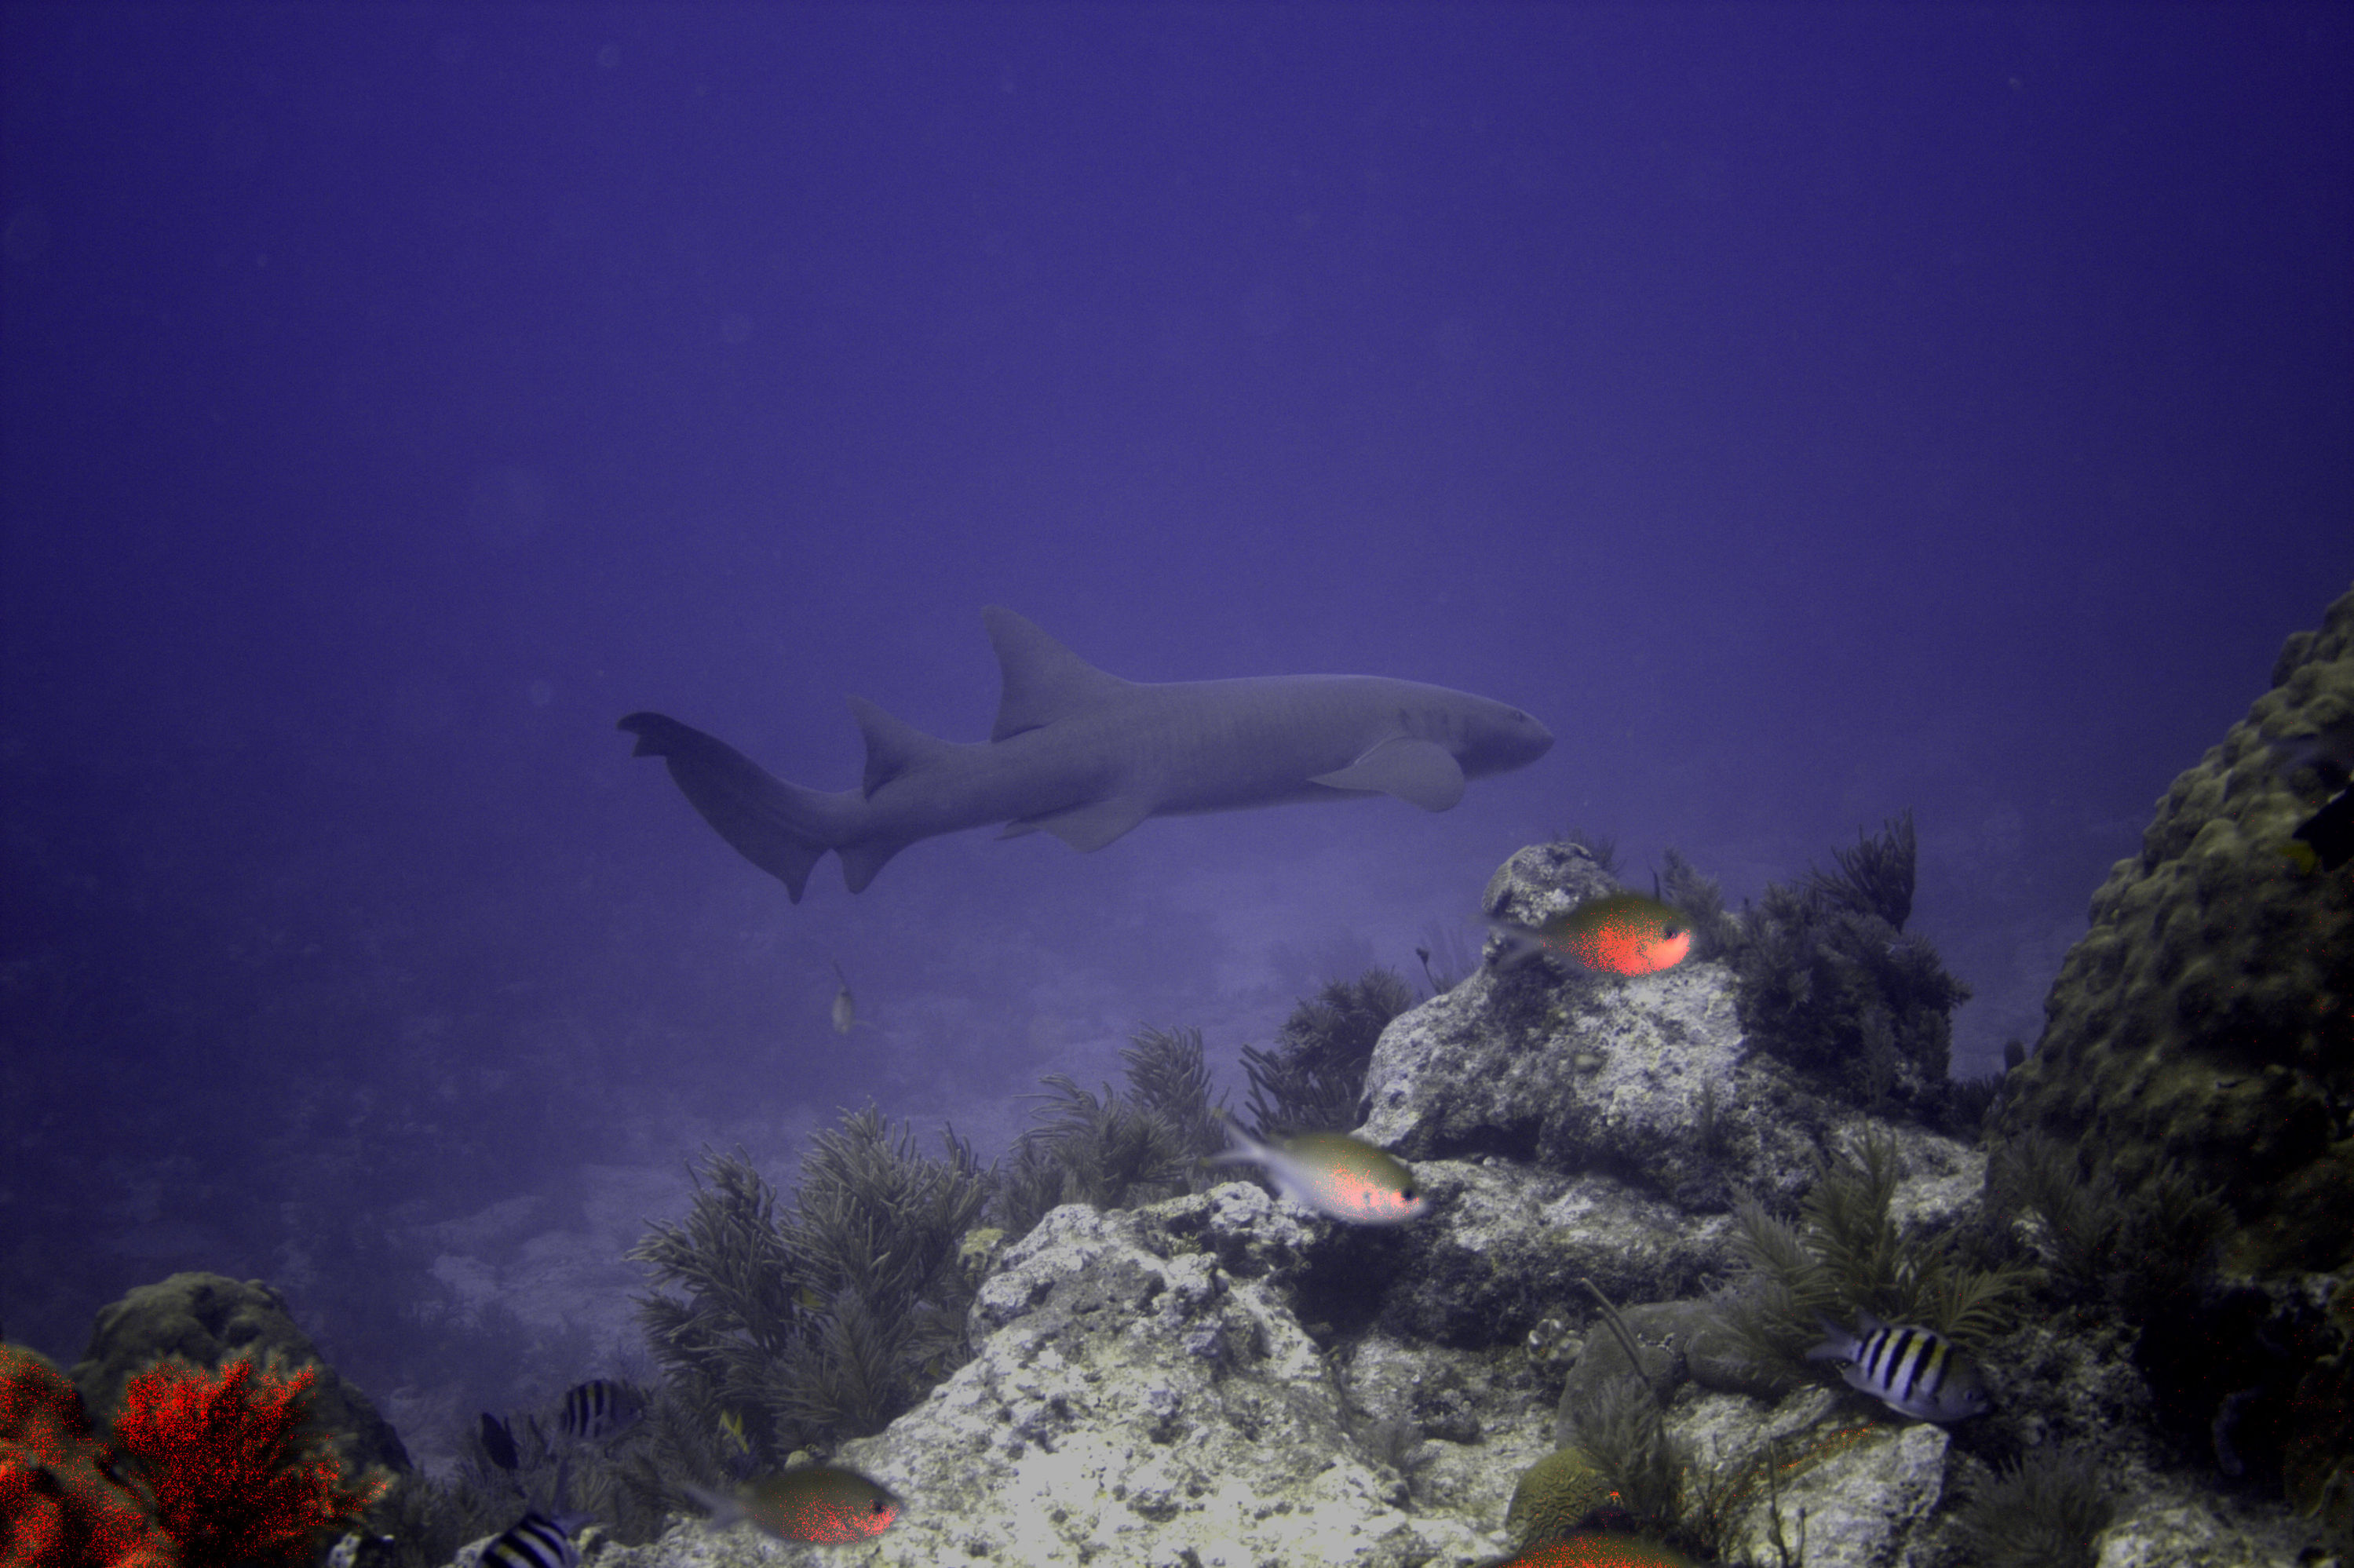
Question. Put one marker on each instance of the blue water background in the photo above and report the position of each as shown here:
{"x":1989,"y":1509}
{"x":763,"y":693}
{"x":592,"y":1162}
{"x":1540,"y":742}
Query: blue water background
{"x":1811,"y":413}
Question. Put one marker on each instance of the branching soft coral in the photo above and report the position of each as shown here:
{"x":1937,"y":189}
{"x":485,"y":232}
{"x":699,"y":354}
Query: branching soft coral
{"x":235,"y":1477}
{"x":58,"y":1508}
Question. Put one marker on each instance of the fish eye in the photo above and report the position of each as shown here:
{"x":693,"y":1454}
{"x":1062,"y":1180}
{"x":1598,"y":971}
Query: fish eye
{"x":1672,"y":932}
{"x":1406,"y":1193}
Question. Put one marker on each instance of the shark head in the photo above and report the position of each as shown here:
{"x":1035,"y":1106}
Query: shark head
{"x":1493,"y":738}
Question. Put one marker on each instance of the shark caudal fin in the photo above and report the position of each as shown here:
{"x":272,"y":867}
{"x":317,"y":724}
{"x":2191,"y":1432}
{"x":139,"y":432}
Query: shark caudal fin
{"x":782,"y":828}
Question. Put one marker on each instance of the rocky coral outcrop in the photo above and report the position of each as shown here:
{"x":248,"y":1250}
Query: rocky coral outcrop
{"x":1145,"y":1395}
{"x":1647,"y":1082}
{"x":1225,"y":1380}
{"x":2199,"y":1038}
{"x":2204,"y":1020}
{"x":209,"y":1319}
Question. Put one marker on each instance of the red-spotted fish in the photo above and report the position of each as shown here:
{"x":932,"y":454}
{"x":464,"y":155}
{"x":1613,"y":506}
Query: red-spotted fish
{"x":1618,"y":934}
{"x":1333,"y":1174}
{"x":1598,"y":1549}
{"x":824,"y":1504}
{"x":1914,"y":1371}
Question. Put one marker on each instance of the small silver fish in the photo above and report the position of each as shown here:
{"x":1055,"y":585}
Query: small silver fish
{"x":1914,"y":1371}
{"x":1333,"y":1174}
{"x":845,"y":1010}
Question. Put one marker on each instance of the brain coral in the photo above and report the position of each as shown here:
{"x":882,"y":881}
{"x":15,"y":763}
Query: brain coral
{"x":2204,"y":1018}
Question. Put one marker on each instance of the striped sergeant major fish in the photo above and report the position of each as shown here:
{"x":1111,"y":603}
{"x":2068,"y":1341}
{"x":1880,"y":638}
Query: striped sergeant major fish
{"x":601,"y":1408}
{"x":536,"y":1541}
{"x":1914,"y":1371}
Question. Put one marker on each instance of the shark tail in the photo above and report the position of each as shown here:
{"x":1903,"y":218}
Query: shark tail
{"x":782,"y":828}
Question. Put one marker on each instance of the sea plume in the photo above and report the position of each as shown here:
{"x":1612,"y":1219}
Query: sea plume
{"x":236,"y":1474}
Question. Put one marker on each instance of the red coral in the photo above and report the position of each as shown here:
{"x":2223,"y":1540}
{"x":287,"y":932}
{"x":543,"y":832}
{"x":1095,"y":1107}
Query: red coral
{"x":58,"y":1508}
{"x":235,"y":1477}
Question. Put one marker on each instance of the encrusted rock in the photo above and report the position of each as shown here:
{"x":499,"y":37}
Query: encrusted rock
{"x":2203,"y":1020}
{"x":210,"y":1319}
{"x":1135,"y":1401}
{"x":1646,"y":1081}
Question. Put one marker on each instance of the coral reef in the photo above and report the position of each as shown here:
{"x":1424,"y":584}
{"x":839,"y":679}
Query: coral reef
{"x":1651,"y":1082}
{"x":1716,"y":932}
{"x":825,"y":1321}
{"x":1143,"y":1393}
{"x":2194,"y":1054}
{"x":60,"y":1507}
{"x":1314,"y":1078}
{"x":2203,"y":1020}
{"x":209,"y":1320}
{"x":1121,"y":1150}
{"x":1830,"y":984}
{"x":1448,"y":955}
{"x":1849,"y":1256}
{"x":1875,"y":877}
{"x":1554,"y":1496}
{"x":237,"y":1473}
{"x":2037,"y":1514}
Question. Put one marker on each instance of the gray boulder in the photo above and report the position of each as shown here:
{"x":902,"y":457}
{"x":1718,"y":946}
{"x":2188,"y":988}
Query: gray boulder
{"x":1647,"y":1080}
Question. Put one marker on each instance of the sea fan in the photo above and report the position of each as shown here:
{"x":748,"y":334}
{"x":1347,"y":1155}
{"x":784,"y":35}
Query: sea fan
{"x":59,"y":1506}
{"x":235,"y":1477}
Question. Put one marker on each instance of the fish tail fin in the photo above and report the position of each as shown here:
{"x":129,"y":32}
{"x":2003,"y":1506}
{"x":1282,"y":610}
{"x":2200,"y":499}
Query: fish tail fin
{"x":725,"y":1511}
{"x":1521,"y":943}
{"x":1837,"y":1342}
{"x":1243,"y":1150}
{"x":782,"y":828}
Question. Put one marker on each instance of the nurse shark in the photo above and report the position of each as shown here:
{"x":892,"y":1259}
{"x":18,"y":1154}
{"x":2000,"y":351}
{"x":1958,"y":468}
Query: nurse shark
{"x":1086,"y":756}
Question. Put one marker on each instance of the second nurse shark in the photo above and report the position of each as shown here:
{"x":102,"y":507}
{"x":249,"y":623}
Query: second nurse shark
{"x":1086,"y":756}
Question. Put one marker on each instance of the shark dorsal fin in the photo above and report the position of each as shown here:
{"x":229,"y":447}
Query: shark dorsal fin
{"x":1044,"y":680}
{"x":893,"y":746}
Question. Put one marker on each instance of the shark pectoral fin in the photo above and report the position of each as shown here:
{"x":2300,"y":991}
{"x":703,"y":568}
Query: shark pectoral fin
{"x":1422,"y":771}
{"x":1087,"y":827}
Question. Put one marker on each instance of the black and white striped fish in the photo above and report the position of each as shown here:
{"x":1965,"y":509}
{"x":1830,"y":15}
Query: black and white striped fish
{"x":536,"y":1541}
{"x":601,"y":1408}
{"x":1914,"y":1371}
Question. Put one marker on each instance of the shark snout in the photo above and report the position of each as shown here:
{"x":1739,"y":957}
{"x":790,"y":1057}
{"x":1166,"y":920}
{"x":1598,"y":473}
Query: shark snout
{"x":1505,"y":738}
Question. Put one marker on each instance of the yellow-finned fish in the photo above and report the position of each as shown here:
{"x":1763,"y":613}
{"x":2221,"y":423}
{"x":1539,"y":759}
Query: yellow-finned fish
{"x":1914,"y":1371}
{"x":1618,"y":934}
{"x":821,"y":1503}
{"x":1333,"y":1174}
